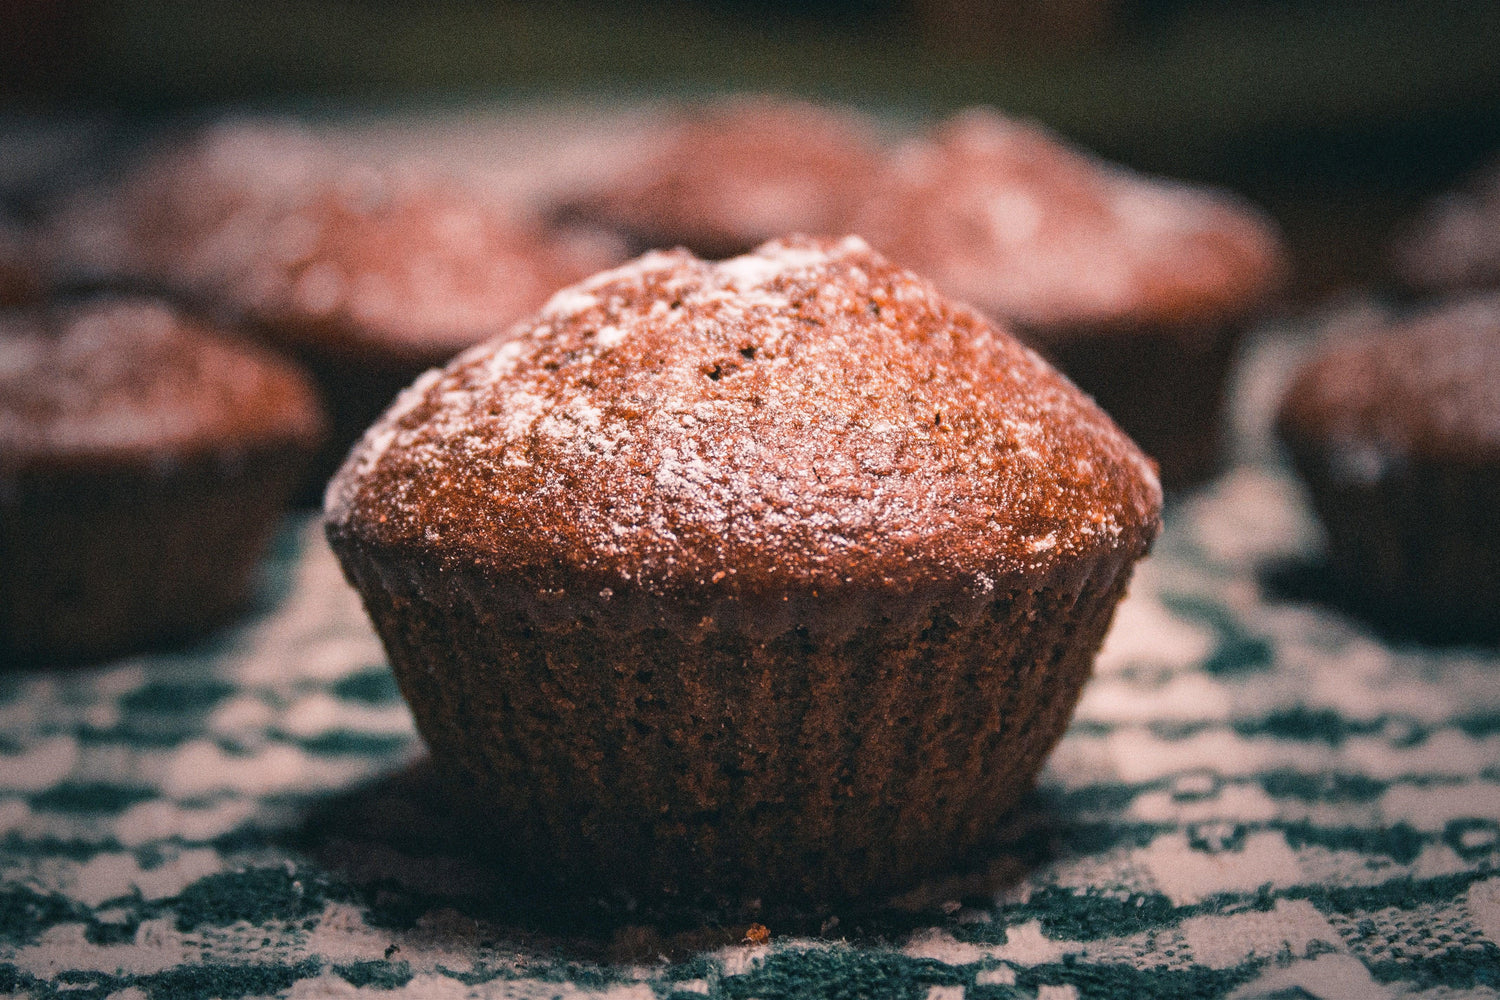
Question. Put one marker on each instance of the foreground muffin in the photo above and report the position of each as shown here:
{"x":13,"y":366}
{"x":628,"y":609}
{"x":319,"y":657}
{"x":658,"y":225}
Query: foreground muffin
{"x":1397,"y":436}
{"x":727,"y":175}
{"x":1136,"y":287}
{"x":780,"y":575}
{"x":144,"y":461}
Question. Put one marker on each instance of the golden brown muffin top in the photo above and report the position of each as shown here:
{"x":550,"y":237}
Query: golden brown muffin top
{"x":1004,"y":215}
{"x":806,"y":415}
{"x":130,"y":382}
{"x":1427,"y":389}
{"x":394,"y":262}
{"x":727,"y":175}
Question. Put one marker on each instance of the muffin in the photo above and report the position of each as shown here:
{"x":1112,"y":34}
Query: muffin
{"x":144,"y":461}
{"x":725,"y":176}
{"x":191,"y":210}
{"x":1136,"y":287}
{"x":367,"y":273}
{"x":1397,"y":436}
{"x":1453,"y":242}
{"x":775,"y":576}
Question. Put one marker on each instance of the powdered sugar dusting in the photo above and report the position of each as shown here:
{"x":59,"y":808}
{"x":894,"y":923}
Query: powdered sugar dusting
{"x":752,"y":271}
{"x":569,"y":302}
{"x":671,"y":419}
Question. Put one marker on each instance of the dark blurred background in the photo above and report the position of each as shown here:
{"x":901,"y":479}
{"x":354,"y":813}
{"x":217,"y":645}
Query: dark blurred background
{"x":1337,"y":116}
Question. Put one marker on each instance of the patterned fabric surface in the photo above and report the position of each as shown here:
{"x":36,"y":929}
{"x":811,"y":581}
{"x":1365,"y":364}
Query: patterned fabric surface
{"x":1258,"y":798}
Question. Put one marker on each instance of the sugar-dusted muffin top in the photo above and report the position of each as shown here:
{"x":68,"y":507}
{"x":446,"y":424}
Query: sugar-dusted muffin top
{"x":808,"y":415}
{"x":1453,"y":243}
{"x":727,"y":175}
{"x":1426,"y":390}
{"x":130,"y":382}
{"x":1006,"y":216}
{"x":388,"y":259}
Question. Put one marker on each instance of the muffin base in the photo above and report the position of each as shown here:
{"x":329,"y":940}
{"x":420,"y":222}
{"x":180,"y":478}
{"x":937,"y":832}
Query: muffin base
{"x":670,"y":761}
{"x":105,"y":562}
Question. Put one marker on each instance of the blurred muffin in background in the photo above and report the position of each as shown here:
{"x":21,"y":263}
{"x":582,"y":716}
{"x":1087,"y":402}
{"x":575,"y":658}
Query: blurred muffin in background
{"x":367,"y":271}
{"x":1453,"y":243}
{"x":725,"y":176}
{"x":144,"y":463}
{"x":1136,"y":287}
{"x":1397,"y":436}
{"x":191,"y":209}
